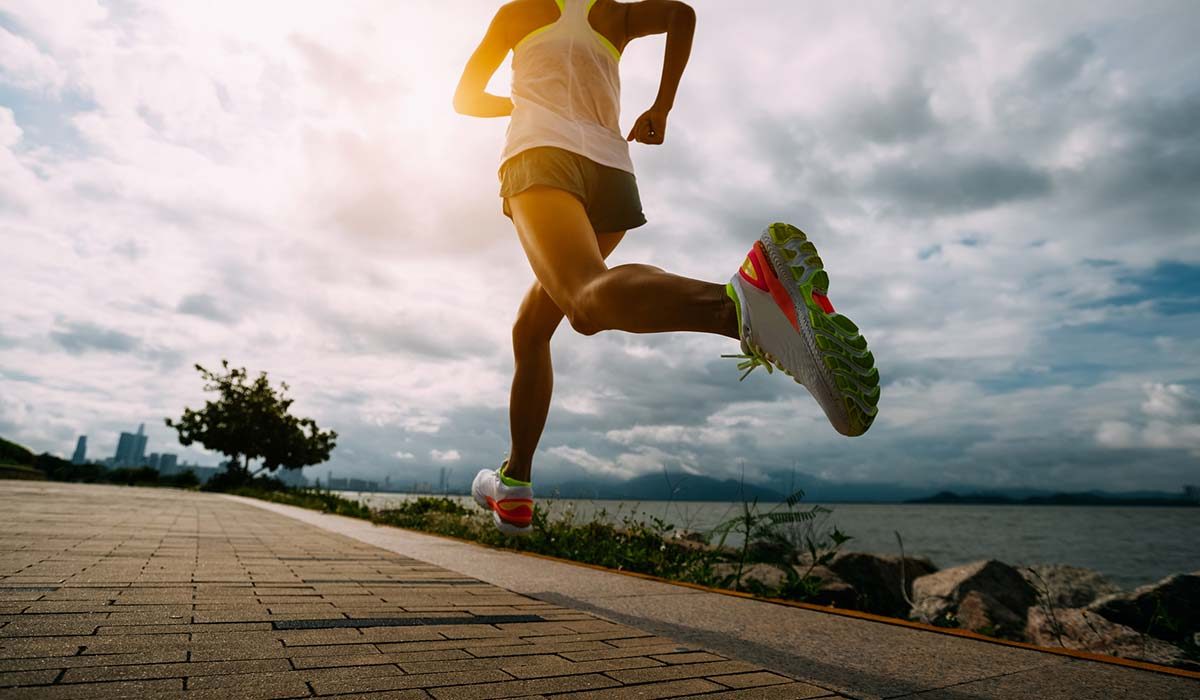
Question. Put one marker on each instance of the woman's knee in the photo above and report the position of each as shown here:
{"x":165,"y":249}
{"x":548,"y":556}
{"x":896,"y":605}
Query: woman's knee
{"x":586,"y":309}
{"x":536,"y":321}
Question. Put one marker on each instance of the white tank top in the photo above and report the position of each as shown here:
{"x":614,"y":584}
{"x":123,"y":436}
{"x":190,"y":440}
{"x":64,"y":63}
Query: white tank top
{"x":566,"y":91}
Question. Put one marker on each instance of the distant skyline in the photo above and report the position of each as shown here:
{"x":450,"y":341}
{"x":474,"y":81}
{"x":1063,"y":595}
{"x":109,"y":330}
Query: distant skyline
{"x":1005,"y":195}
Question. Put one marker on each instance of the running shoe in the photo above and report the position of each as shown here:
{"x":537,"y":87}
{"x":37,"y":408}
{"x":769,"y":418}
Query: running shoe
{"x":786,"y":321}
{"x":511,"y":506}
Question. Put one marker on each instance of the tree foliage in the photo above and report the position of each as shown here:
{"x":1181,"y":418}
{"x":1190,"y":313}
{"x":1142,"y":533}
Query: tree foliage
{"x":249,"y":420}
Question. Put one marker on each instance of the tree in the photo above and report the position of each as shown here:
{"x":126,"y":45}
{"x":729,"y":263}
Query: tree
{"x":250,"y":421}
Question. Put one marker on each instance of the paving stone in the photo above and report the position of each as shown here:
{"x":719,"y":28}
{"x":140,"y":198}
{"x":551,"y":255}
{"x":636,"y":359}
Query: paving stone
{"x":645,"y":675}
{"x":422,"y":680}
{"x":517,"y":688}
{"x":114,"y":673}
{"x":688,"y":658}
{"x":672,"y":689}
{"x":9,"y":679}
{"x":615,"y":653}
{"x":752,"y":680}
{"x":380,"y":658}
{"x":561,"y":667}
{"x":787,"y":691}
{"x":127,"y":689}
{"x":64,"y":662}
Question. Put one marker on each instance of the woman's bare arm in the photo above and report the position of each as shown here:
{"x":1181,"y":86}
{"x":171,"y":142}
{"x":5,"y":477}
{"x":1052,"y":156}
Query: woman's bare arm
{"x":471,"y":97}
{"x":678,"y":21}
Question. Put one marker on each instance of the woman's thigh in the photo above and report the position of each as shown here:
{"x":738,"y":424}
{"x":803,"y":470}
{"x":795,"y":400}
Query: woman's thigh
{"x":539,"y":315}
{"x":559,"y":242}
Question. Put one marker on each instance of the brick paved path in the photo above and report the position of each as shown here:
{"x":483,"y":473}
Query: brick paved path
{"x":121,"y":592}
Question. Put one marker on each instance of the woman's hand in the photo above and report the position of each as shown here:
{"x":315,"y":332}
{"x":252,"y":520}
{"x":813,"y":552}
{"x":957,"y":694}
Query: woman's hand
{"x":650,"y":128}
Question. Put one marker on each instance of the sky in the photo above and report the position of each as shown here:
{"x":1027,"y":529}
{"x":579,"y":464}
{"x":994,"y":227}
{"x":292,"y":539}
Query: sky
{"x":1005,"y":195}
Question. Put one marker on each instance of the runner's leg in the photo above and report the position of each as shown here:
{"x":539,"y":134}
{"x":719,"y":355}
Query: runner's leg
{"x":533,"y":378}
{"x":565,"y":256}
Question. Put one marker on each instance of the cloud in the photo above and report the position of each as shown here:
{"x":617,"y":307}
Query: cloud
{"x":903,"y":113}
{"x":24,"y":66}
{"x":956,"y":184}
{"x":626,"y":465}
{"x":1060,"y":65}
{"x":1170,"y":421}
{"x":206,"y":306}
{"x":1172,"y":402}
{"x":445,"y":455}
{"x":81,"y":337}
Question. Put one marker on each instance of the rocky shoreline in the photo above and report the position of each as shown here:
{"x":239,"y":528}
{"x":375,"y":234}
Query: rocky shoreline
{"x":1047,"y":605}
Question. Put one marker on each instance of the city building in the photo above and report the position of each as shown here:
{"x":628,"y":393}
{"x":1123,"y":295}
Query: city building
{"x":1192,"y":493}
{"x":167,"y":463}
{"x":152,"y":461}
{"x":344,"y":484}
{"x":80,"y":456}
{"x":131,"y":448}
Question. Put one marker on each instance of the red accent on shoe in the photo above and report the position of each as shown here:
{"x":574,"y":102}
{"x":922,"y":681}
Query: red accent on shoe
{"x":822,"y":301}
{"x":752,"y":271}
{"x":514,"y":511}
{"x":778,"y":291}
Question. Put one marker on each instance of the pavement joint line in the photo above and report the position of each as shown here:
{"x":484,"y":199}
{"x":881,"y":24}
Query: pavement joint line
{"x":828,"y":610}
{"x":978,"y":680}
{"x":404,"y":622}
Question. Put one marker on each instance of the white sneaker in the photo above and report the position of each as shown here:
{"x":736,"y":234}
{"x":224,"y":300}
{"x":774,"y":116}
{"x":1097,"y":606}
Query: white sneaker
{"x":786,"y":320}
{"x":511,"y":506}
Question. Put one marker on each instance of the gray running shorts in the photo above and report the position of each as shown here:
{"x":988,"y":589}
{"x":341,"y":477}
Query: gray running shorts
{"x":609,"y":195}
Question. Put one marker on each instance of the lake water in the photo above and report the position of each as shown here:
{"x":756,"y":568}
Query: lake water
{"x":1130,"y":545}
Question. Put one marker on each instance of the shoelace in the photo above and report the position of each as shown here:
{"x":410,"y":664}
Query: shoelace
{"x":751,"y":361}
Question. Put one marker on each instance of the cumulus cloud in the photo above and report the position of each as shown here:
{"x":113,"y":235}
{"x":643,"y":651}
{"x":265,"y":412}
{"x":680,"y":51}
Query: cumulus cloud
{"x":1170,"y":420}
{"x":23,"y":65}
{"x":445,"y":455}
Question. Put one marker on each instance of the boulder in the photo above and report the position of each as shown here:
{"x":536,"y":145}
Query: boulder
{"x":1169,"y":609}
{"x":1074,"y":628}
{"x":768,"y":576}
{"x":1064,"y":586}
{"x":980,"y":612}
{"x":876,"y":577}
{"x":771,"y":580}
{"x":998,"y":609}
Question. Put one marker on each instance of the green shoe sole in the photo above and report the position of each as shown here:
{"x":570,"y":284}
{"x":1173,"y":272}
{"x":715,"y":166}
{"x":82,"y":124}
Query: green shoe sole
{"x":848,"y":366}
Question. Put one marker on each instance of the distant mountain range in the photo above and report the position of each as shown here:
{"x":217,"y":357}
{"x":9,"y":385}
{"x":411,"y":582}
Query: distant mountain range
{"x":1089,"y":498}
{"x":678,"y":486}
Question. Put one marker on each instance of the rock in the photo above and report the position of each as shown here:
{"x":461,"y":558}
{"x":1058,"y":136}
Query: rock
{"x":876,"y":577}
{"x":999,"y":611}
{"x":766,"y":575}
{"x":689,"y":536}
{"x":1169,"y":609}
{"x":980,"y":612}
{"x":1074,"y":628}
{"x":1067,"y":586}
{"x":838,"y":594}
{"x":771,"y":580}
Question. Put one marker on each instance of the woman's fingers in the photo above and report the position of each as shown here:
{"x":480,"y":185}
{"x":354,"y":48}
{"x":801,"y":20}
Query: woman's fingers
{"x":647,"y":130}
